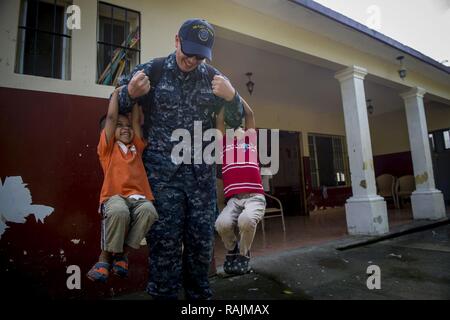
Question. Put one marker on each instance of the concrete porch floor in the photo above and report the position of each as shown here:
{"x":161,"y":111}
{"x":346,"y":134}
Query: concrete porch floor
{"x":413,"y":260}
{"x":302,"y":231}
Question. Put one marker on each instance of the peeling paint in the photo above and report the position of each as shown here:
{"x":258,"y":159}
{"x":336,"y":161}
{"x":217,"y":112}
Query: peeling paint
{"x":15,"y":203}
{"x":378,"y":220}
{"x":363,"y":184}
{"x":421,"y":178}
{"x":368,"y":165}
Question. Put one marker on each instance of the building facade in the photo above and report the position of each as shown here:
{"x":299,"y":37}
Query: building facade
{"x":315,"y":72}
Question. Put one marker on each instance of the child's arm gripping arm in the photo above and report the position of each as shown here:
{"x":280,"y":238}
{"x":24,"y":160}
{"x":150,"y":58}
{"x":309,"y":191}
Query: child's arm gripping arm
{"x":112,"y":115}
{"x":249,"y":116}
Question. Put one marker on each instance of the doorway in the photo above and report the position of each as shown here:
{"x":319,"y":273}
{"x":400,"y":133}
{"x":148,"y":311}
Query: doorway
{"x":288,"y":184}
{"x":440,"y":154}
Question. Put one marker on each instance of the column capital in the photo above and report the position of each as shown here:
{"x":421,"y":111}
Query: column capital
{"x":413,"y":92}
{"x":351,"y":72}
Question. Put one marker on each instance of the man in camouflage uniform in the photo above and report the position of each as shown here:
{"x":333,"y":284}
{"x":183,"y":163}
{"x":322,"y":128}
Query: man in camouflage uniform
{"x":181,"y":241}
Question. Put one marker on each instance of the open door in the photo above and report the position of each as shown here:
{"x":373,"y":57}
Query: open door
{"x":440,"y":153}
{"x":288,"y":184}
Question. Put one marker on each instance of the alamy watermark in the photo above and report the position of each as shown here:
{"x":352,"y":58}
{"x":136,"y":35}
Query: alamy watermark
{"x":74,"y":279}
{"x":189,"y":149}
{"x":374,"y":278}
{"x":374,"y":19}
{"x":74,"y":17}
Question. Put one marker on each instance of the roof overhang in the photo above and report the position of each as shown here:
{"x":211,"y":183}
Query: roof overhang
{"x":317,"y":19}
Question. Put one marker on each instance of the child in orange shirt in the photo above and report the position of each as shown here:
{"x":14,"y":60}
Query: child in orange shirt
{"x":126,"y":197}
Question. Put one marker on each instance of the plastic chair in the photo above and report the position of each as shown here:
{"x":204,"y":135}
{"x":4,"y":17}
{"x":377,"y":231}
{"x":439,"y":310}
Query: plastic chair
{"x":386,"y":187}
{"x":404,"y":187}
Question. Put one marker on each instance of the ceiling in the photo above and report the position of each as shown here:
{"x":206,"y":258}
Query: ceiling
{"x":292,"y":80}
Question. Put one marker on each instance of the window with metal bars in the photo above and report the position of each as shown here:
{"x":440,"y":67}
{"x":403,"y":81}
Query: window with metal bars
{"x":328,"y":161}
{"x":44,"y":41}
{"x":118,"y":42}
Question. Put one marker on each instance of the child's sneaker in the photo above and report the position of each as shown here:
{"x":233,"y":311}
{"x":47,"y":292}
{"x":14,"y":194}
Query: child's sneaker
{"x":240,"y":264}
{"x":99,"y":272}
{"x":229,"y":259}
{"x":120,"y":266}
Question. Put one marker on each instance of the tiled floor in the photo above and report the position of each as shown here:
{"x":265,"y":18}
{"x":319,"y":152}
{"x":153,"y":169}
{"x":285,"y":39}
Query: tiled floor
{"x":301,"y":231}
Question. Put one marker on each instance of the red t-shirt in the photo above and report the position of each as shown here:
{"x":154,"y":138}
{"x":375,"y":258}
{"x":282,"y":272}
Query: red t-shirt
{"x":240,"y":169}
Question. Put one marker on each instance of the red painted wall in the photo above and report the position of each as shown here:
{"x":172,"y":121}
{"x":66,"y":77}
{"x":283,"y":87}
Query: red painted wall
{"x":398,"y":164}
{"x":50,"y":141}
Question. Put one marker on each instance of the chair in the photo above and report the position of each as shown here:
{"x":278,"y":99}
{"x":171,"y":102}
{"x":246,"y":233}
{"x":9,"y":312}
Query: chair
{"x":404,"y":187}
{"x":273,"y":212}
{"x":385,"y":187}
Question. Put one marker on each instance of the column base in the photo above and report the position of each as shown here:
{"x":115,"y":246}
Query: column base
{"x":428,"y":205}
{"x":366,"y":216}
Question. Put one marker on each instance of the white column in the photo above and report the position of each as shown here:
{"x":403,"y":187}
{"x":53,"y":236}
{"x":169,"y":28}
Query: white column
{"x":366,"y":212}
{"x":427,"y":202}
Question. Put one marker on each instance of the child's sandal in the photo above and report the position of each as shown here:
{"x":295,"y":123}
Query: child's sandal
{"x":228,"y":263}
{"x":229,"y":259}
{"x":241,"y":265}
{"x":99,"y":272}
{"x":120,"y":266}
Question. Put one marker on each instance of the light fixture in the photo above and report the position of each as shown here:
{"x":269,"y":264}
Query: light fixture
{"x":369,"y":106}
{"x":250,"y":84}
{"x":402,"y":71}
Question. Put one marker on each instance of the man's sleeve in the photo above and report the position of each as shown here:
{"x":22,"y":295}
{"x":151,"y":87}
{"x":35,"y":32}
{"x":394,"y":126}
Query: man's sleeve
{"x":234,"y":111}
{"x":125,"y":101}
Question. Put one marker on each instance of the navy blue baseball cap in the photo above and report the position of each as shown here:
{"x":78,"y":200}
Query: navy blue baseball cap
{"x":197,"y":38}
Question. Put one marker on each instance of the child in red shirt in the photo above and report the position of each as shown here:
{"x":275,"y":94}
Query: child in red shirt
{"x":244,"y":191}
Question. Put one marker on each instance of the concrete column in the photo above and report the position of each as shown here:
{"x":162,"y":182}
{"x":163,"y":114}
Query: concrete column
{"x":366,"y":212}
{"x":427,"y":202}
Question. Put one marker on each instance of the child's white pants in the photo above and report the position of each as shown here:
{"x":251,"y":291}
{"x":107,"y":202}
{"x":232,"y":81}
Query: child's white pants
{"x":243,"y":211}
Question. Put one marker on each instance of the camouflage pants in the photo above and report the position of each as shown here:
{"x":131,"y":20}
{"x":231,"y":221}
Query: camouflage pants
{"x":181,"y":241}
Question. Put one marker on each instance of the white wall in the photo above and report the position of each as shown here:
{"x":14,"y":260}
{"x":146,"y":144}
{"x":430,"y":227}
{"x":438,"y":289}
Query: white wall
{"x":160,"y":22}
{"x":389,"y":131}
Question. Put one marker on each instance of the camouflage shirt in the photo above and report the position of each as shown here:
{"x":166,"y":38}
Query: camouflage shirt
{"x":179,"y":100}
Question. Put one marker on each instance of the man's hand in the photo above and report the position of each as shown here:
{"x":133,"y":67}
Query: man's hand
{"x":139,"y":85}
{"x":222,"y":88}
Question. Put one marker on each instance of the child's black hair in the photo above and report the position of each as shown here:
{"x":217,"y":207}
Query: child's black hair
{"x":102,"y":120}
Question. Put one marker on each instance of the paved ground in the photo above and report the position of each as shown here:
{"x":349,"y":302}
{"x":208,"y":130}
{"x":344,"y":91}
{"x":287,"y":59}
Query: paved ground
{"x":413,"y":266}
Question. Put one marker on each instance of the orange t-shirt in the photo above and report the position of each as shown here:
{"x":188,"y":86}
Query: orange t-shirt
{"x":124,"y":173}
